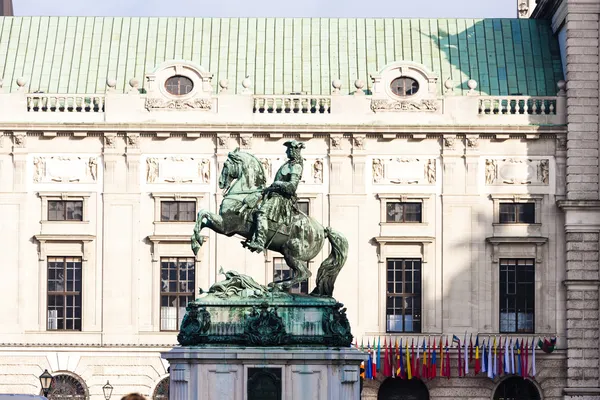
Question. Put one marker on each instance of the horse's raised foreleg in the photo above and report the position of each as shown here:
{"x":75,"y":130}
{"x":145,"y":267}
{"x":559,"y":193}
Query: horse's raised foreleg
{"x":206,"y":219}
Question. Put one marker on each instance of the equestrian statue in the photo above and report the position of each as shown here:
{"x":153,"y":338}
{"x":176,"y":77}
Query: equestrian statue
{"x":268,"y":218}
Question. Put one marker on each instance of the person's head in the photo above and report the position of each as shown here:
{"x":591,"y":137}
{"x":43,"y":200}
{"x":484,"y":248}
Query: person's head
{"x":293,"y":149}
{"x":133,"y":396}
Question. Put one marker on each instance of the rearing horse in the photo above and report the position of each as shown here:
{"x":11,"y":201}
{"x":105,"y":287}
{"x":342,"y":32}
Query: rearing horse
{"x":243,"y":180}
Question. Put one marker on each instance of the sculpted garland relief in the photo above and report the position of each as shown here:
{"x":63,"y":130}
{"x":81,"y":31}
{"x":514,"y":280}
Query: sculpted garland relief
{"x":177,"y":169}
{"x":312,"y":172}
{"x":65,"y":169}
{"x":404,"y":171}
{"x":517,"y":171}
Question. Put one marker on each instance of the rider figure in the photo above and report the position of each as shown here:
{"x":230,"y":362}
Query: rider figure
{"x":279,"y":198}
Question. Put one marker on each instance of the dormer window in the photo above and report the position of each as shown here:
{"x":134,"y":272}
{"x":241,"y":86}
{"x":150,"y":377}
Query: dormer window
{"x":404,"y":86}
{"x":179,"y":85}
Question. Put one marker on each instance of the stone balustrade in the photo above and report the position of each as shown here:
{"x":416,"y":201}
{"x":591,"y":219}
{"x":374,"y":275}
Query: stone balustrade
{"x":292,"y":110}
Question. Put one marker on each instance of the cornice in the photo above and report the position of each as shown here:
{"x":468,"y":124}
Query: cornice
{"x":517,"y":239}
{"x":404,"y":239}
{"x":64,"y":238}
{"x":582,"y":205}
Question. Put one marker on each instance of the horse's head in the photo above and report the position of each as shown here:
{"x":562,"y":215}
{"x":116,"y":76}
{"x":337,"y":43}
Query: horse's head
{"x":244,"y":167}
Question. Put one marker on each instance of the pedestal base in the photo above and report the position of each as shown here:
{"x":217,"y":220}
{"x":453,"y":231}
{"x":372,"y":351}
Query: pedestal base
{"x":247,"y":373}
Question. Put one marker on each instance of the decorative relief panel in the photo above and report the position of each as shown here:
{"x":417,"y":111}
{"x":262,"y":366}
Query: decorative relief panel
{"x":517,"y":171}
{"x":404,"y":105}
{"x":312,"y":173}
{"x":65,"y":169}
{"x":404,"y":171}
{"x":176,"y":169}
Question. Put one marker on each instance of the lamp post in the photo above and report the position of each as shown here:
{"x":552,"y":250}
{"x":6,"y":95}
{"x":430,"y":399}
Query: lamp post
{"x":46,"y":381}
{"x":107,"y":389}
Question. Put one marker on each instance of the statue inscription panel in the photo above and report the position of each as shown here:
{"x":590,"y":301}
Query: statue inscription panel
{"x":264,"y":383}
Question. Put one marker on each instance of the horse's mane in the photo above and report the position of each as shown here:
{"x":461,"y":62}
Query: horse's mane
{"x":255,"y":175}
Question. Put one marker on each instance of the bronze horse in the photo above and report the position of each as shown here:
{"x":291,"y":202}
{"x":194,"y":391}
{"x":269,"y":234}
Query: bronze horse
{"x":298,"y":240}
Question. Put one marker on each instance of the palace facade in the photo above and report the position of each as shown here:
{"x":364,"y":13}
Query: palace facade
{"x":459,"y":157}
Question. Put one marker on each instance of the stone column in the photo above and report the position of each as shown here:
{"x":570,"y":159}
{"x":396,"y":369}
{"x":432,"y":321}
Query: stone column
{"x":582,"y":207}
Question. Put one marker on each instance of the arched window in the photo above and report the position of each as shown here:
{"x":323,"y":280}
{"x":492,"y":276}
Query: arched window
{"x":179,"y":85}
{"x":516,"y":388}
{"x":403,"y":389}
{"x":67,"y":387}
{"x":161,"y":392}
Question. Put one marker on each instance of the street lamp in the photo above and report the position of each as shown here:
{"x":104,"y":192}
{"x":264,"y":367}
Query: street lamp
{"x":46,"y":381}
{"x":107,"y":389}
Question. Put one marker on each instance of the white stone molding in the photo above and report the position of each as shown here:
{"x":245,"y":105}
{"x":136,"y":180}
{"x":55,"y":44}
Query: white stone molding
{"x":246,"y":141}
{"x":498,"y":198}
{"x":313,"y":172}
{"x":20,"y":139}
{"x":178,"y":104}
{"x":110,"y":139}
{"x":425,"y":99}
{"x":161,"y":98}
{"x":517,"y":171}
{"x":449,"y":142}
{"x":422,"y":198}
{"x":65,"y":169}
{"x":517,"y":247}
{"x":178,"y":170}
{"x":65,"y":196}
{"x":358,"y":141}
{"x":133,"y":140}
{"x":159,"y":197}
{"x":404,"y":171}
{"x":336,"y":142}
{"x":267,"y":167}
{"x":223,"y":140}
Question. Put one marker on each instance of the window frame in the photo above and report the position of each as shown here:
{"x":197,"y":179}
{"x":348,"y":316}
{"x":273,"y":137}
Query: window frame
{"x":297,"y":288}
{"x":403,"y":293}
{"x":179,"y":77}
{"x":64,"y":294}
{"x":64,"y":210}
{"x":426,"y":200}
{"x":306,"y":201}
{"x":528,"y":294}
{"x":516,"y":211}
{"x":179,"y":211}
{"x":176,"y":197}
{"x":537,"y":199}
{"x":404,"y":79}
{"x":47,"y":197}
{"x":177,"y":294}
{"x":403,"y":205}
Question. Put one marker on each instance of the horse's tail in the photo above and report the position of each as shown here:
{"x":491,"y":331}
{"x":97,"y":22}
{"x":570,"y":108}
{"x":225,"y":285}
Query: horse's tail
{"x":330,"y":268}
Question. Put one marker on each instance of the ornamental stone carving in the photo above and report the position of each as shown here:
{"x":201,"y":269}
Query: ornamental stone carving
{"x":561,"y":143}
{"x":133,"y":140}
{"x":472,"y":142}
{"x":404,"y":171}
{"x":65,"y":169}
{"x":20,"y":139}
{"x":266,"y":164}
{"x":449,"y":142}
{"x":110,"y":140}
{"x":245,"y":141}
{"x":490,"y":172}
{"x":359,"y":142}
{"x":517,"y":171}
{"x":223,"y":140}
{"x":189,"y":104}
{"x":178,"y":169}
{"x":404,"y":105}
{"x":318,"y":171}
{"x":336,"y":142}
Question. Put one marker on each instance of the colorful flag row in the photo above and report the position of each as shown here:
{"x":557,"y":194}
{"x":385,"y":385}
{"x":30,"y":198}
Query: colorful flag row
{"x":492,"y":357}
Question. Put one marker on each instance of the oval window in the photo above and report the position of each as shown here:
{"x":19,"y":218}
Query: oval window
{"x":179,"y":85}
{"x":404,"y":86}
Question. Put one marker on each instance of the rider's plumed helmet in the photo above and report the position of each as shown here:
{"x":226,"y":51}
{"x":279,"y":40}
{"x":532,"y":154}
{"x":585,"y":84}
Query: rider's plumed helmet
{"x":294,"y":144}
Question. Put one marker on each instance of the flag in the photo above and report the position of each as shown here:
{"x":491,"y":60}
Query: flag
{"x":455,"y":339}
{"x":433,"y":365}
{"x":477,"y":361}
{"x":490,"y":360}
{"x":495,"y":358}
{"x":512,"y":357}
{"x":408,"y":365}
{"x":471,"y":348}
{"x":414,"y":363}
{"x":483,"y":357}
{"x":518,"y":349}
{"x":426,"y":360}
{"x":417,"y":371}
{"x":441,"y":358}
{"x":533,"y":371}
{"x":393,"y":358}
{"x":397,"y":361}
{"x":506,"y":357}
{"x":466,"y":356}
{"x":378,"y":361}
{"x":386,"y":359}
{"x":447,"y":364}
{"x":500,"y":356}
{"x":362,"y":363}
{"x":369,"y":366}
{"x":525,"y":358}
{"x":547,"y":346}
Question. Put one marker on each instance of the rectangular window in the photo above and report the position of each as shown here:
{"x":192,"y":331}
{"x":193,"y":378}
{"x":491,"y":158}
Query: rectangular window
{"x":517,"y":294}
{"x":177,"y":282}
{"x":64,"y":293}
{"x":304,"y":206}
{"x":281,"y":271}
{"x":517,"y":213}
{"x":61,"y":210}
{"x":403,"y":303}
{"x":403,"y":212}
{"x":177,"y":211}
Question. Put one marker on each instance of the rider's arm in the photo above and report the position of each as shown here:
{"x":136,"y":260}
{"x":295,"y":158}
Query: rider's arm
{"x":289,"y":188}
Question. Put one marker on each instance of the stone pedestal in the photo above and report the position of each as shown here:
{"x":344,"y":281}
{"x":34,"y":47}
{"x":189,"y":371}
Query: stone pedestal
{"x":246,"y":373}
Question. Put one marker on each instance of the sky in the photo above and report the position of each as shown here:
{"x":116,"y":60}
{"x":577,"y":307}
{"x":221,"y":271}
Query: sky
{"x":272,"y":8}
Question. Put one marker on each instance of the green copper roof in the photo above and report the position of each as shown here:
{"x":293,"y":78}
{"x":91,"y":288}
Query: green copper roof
{"x":281,"y":55}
